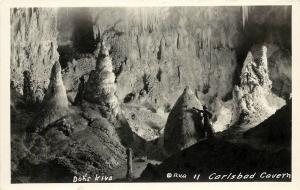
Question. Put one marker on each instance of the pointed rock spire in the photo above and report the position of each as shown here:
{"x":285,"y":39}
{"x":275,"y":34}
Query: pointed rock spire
{"x":55,"y":102}
{"x":181,"y":130}
{"x":255,"y":100}
{"x":101,"y":87}
{"x":255,"y":69}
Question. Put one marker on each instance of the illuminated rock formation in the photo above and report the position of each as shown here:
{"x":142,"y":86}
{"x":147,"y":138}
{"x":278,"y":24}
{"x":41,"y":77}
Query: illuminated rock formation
{"x":33,"y":47}
{"x":255,"y":101}
{"x":55,"y":102}
{"x":101,"y":86}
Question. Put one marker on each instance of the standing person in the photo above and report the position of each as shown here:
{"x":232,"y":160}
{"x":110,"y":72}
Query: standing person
{"x":198,"y":120}
{"x":207,"y":124}
{"x":80,"y":92}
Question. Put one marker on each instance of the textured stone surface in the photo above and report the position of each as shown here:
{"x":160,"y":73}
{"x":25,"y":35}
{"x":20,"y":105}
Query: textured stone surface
{"x":55,"y":102}
{"x":154,"y":52}
{"x":157,"y":52}
{"x":33,"y":47}
{"x":254,"y":98}
{"x":280,"y":69}
{"x":101,"y":88}
{"x":181,"y":127}
{"x":90,"y":149}
{"x":152,"y":55}
{"x":277,"y":129}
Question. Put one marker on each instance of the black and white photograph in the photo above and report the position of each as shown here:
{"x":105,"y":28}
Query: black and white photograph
{"x":150,"y":94}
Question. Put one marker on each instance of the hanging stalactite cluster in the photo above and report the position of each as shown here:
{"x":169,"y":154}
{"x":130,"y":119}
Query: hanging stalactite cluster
{"x":245,"y":14}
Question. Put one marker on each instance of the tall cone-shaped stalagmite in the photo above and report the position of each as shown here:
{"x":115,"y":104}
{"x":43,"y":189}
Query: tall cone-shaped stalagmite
{"x":255,"y":100}
{"x":55,"y":102}
{"x":183,"y":126}
{"x":101,"y":87}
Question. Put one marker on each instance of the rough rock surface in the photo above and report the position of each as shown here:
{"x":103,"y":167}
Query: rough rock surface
{"x":157,"y":52}
{"x":280,"y":69}
{"x":72,"y":73}
{"x":144,"y":122}
{"x":276,"y":129}
{"x":55,"y":102}
{"x":34,"y":47}
{"x":155,"y":56}
{"x":101,"y":88}
{"x":181,"y":127}
{"x":224,"y":114}
{"x":254,"y":98}
{"x":90,"y":149}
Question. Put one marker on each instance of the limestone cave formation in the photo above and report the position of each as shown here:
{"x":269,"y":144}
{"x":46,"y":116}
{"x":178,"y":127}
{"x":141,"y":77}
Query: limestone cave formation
{"x":87,"y":84}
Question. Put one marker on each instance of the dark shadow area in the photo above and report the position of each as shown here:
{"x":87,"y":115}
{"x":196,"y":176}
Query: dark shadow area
{"x":198,"y":123}
{"x":277,"y":129}
{"x":227,"y":158}
{"x":83,"y":40}
{"x":76,"y":35}
{"x":66,"y":54}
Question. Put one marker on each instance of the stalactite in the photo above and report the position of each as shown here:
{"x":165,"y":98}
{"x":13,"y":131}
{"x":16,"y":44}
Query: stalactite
{"x":245,"y":14}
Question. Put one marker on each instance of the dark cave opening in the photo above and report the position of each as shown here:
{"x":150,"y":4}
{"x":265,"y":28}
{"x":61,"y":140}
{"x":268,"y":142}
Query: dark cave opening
{"x":66,"y":54}
{"x":83,"y":35}
{"x":76,"y":35}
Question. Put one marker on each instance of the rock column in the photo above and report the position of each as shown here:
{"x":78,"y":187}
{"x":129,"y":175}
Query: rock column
{"x":101,"y":87}
{"x":55,"y":102}
{"x":129,"y":164}
{"x":254,"y":98}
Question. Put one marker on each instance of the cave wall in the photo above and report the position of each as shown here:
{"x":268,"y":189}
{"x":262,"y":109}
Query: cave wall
{"x":159,"y":51}
{"x":156,"y":52}
{"x":33,"y":46}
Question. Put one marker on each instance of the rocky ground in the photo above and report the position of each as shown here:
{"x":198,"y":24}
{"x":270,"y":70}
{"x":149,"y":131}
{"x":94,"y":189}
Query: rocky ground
{"x":91,"y":148}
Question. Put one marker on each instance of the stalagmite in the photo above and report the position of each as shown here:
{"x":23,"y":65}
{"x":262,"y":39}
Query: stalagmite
{"x":260,"y":58}
{"x":182,"y":126}
{"x":55,"y":102}
{"x":101,"y":87}
{"x":255,"y":101}
{"x":129,"y":164}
